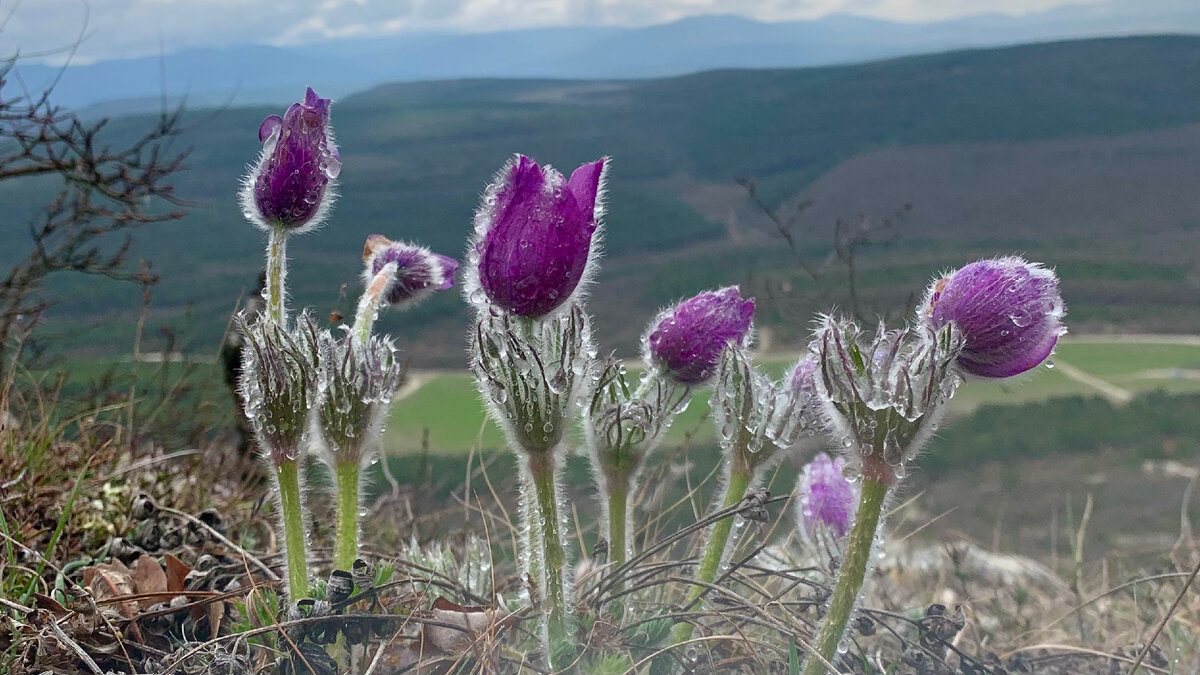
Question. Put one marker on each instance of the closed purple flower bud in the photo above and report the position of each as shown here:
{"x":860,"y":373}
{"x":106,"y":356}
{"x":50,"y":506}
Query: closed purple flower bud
{"x":1009,"y":311}
{"x":685,"y":341}
{"x":801,"y":379}
{"x":534,"y":235}
{"x":419,"y":272}
{"x":826,"y":499}
{"x":291,"y":185}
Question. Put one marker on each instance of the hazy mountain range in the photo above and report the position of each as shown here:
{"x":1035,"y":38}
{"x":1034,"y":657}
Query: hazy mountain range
{"x":263,"y":74}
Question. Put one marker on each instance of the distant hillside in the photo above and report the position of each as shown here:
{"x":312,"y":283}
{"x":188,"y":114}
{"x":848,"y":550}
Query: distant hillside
{"x":998,"y":150}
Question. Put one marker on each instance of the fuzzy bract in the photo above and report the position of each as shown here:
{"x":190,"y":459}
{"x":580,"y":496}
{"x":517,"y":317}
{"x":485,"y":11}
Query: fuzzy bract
{"x":535,"y":236}
{"x":419,"y":272}
{"x":291,"y":185}
{"x":825,"y":498}
{"x":1009,"y":311}
{"x":884,"y":395}
{"x":532,"y":373}
{"x":755,"y":417}
{"x":361,"y":380}
{"x":280,"y":384}
{"x":685,"y":341}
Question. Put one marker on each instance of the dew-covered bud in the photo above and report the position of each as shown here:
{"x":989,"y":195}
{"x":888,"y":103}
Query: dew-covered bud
{"x":291,"y":185}
{"x":535,"y":236}
{"x":1009,"y":311}
{"x":419,"y":272}
{"x":280,"y":384}
{"x":685,"y":341}
{"x":361,"y":380}
{"x":825,"y":499}
{"x":885,"y":395}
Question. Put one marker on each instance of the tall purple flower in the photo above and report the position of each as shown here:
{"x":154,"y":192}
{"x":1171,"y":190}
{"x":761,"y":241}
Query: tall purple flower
{"x":419,"y":272}
{"x":685,"y":341}
{"x":291,"y":185}
{"x":1009,"y":311}
{"x":534,"y":235}
{"x":826,"y":498}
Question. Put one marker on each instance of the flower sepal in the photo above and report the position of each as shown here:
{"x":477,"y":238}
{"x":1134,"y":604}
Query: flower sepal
{"x":531,"y":373}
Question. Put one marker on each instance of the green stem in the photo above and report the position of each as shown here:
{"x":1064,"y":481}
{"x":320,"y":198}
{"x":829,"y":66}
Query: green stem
{"x":553,"y":557}
{"x":739,"y":481}
{"x":347,"y":515}
{"x":618,"y":497}
{"x":288,"y":474}
{"x":850,"y":579}
{"x":276,"y":274}
{"x":368,"y":304}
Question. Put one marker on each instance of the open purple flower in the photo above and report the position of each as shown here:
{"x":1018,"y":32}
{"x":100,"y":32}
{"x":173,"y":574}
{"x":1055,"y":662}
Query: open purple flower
{"x":419,"y":272}
{"x":1009,"y":311}
{"x":534,"y":235}
{"x":826,"y":498}
{"x":290,"y":186}
{"x":685,"y":341}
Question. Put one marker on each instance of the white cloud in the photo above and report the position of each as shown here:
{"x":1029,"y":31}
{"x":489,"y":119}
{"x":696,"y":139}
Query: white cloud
{"x":127,"y":28}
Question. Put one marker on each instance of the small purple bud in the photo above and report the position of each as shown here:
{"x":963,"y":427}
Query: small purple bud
{"x":419,"y":272}
{"x":534,"y":235}
{"x":801,"y":379}
{"x":685,"y":341}
{"x":291,"y":185}
{"x":826,"y":498}
{"x":1009,"y":311}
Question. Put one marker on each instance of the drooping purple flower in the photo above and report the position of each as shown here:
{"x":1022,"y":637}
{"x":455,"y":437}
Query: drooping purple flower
{"x":419,"y":271}
{"x":291,"y":185}
{"x":534,"y":235}
{"x":685,"y":341}
{"x":826,"y":498}
{"x":1009,"y":311}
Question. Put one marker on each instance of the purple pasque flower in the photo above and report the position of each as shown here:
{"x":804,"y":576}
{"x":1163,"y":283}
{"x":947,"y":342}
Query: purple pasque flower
{"x":826,"y":499}
{"x":685,"y":341}
{"x":419,"y":271}
{"x":1009,"y":311}
{"x":291,"y":185}
{"x":534,"y":235}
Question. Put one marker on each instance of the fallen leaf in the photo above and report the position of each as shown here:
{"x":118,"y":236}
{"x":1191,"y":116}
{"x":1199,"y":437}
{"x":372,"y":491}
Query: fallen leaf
{"x":177,"y":571}
{"x":148,"y":577}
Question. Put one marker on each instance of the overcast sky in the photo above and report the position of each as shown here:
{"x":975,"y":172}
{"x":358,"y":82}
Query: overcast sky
{"x":127,"y":28}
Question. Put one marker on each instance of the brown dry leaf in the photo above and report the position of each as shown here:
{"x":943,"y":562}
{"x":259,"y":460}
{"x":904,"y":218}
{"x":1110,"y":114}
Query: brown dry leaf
{"x":109,"y":581}
{"x":177,"y":571}
{"x":50,"y":605}
{"x":216,"y":612}
{"x":148,"y":577}
{"x":472,"y":620}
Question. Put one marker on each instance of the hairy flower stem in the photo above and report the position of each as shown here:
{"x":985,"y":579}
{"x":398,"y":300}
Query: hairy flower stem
{"x":288,"y":474}
{"x":735,"y":490}
{"x":548,"y":556}
{"x":877,"y":478}
{"x":368,"y":304}
{"x":618,"y":497}
{"x":347,"y":514}
{"x":276,"y":274}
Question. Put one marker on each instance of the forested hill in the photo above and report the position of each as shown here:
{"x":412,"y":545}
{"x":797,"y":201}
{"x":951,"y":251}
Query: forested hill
{"x":1034,"y":149}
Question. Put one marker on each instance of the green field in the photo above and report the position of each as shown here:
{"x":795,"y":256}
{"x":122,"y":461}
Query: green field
{"x":447,"y":405}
